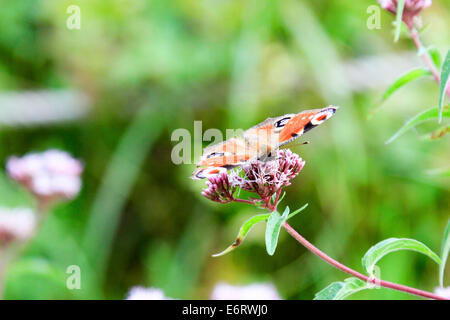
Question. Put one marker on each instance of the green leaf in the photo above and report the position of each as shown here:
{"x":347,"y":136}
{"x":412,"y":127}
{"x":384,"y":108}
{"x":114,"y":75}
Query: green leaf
{"x":445,"y":73}
{"x":274,"y":224}
{"x":342,"y":289}
{"x":398,"y":19}
{"x":435,"y":56}
{"x":297,"y":211}
{"x":444,"y":253}
{"x":405,"y":78}
{"x":429,"y":114}
{"x":280,"y":199}
{"x":245,"y":228}
{"x":378,"y":251}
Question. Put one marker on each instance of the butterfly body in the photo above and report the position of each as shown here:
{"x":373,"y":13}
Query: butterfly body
{"x":259,"y":142}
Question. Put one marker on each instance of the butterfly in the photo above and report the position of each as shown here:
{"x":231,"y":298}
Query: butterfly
{"x":259,"y":142}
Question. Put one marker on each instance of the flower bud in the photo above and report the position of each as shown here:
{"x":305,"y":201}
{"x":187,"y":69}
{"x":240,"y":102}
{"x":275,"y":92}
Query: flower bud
{"x":411,"y":9}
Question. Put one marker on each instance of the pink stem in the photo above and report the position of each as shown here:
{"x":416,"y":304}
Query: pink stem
{"x":354,"y":273}
{"x":426,"y":57}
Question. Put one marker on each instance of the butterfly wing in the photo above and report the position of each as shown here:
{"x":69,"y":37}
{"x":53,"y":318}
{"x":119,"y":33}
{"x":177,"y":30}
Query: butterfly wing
{"x":302,"y":122}
{"x":259,"y":141}
{"x":223,"y":156}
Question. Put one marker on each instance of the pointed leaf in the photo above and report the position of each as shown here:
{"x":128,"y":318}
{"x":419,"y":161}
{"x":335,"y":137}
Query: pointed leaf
{"x":429,"y":114}
{"x":435,"y":56}
{"x":445,"y":73}
{"x":297,"y":211}
{"x":273,"y":229}
{"x":444,"y":253}
{"x":245,"y":228}
{"x":378,"y":251}
{"x":342,"y":289}
{"x":404,"y":79}
{"x":398,"y":19}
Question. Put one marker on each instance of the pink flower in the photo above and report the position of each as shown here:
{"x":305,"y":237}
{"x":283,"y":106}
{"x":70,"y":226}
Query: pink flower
{"x":16,"y":225}
{"x":219,"y":188}
{"x":265,"y":178}
{"x":411,"y":9}
{"x":262,"y":178}
{"x":142,"y":293}
{"x":255,"y":291}
{"x":50,"y":175}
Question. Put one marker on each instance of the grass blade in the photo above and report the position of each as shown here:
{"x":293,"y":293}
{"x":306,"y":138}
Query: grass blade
{"x":342,"y":289}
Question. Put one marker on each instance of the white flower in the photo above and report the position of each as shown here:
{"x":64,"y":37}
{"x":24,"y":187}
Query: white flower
{"x":51,"y":174}
{"x":16,"y":224}
{"x":256,"y":291}
{"x":142,"y":293}
{"x":443,"y":292}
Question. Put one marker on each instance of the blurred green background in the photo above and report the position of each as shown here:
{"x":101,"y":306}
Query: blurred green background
{"x":137,"y":70}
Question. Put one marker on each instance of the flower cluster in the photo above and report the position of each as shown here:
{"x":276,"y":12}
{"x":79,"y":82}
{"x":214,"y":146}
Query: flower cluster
{"x":263,"y":178}
{"x":16,"y":225}
{"x":51,"y":175}
{"x":255,"y":291}
{"x":411,"y":9}
{"x":142,"y":293}
{"x":219,"y":188}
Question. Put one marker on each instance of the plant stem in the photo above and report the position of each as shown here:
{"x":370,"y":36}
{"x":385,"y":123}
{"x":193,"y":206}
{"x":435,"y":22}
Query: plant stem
{"x":426,"y":57}
{"x":354,"y":273}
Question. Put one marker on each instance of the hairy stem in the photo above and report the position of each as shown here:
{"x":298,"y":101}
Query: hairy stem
{"x":354,"y":273}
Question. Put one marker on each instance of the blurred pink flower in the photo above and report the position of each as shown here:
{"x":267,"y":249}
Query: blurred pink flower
{"x":256,"y":291}
{"x":443,"y":292}
{"x":412,"y":8}
{"x":219,"y":188}
{"x":263,"y":178}
{"x":142,"y":293}
{"x":50,"y":175}
{"x":16,"y":224}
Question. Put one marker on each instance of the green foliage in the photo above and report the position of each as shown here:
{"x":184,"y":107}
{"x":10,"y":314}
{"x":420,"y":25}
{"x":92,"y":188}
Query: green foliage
{"x":274,"y":224}
{"x":36,"y":278}
{"x":378,"y":251}
{"x":245,"y":228}
{"x":231,"y":64}
{"x":342,"y":289}
{"x":292,"y":214}
{"x":426,"y":115}
{"x":445,"y":249}
{"x":405,"y":79}
{"x":435,"y":56}
{"x":445,"y":74}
